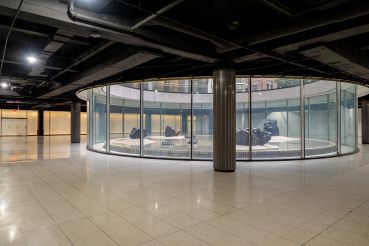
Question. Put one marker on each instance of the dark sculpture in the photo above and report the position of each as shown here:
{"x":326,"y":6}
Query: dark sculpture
{"x":271,"y":127}
{"x":136,"y":133}
{"x":257,"y":137}
{"x":170,"y":132}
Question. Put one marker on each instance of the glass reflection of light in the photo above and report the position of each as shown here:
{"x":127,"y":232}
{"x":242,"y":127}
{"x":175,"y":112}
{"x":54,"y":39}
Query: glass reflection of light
{"x":12,"y":233}
{"x":3,"y":207}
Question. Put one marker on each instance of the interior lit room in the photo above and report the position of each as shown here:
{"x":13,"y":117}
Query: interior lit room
{"x":183,"y":122}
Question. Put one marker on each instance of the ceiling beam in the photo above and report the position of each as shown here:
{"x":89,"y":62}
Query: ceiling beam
{"x":103,"y":70}
{"x":304,"y":23}
{"x":54,"y":14}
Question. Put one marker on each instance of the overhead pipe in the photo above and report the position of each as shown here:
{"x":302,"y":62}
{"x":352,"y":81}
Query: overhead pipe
{"x":333,"y":16}
{"x":222,"y":45}
{"x":156,"y":14}
{"x":84,"y":58}
{"x":8,"y":35}
{"x":74,"y":15}
{"x":118,"y":27}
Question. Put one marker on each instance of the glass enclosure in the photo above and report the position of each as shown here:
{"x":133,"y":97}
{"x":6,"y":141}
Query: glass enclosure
{"x":276,"y":118}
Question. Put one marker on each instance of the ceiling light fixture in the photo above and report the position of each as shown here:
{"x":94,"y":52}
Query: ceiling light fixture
{"x":95,"y":35}
{"x":31,"y":59}
{"x":4,"y":85}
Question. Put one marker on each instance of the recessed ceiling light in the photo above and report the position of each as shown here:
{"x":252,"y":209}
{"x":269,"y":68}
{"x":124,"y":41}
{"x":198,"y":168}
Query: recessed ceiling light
{"x":31,"y":59}
{"x":95,"y":35}
{"x":4,"y":85}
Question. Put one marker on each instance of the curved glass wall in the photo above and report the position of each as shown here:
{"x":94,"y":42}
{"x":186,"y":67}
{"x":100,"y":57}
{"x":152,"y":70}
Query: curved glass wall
{"x":289,"y":118}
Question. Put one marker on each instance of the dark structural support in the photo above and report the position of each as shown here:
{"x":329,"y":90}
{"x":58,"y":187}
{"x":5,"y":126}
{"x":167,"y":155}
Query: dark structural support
{"x":365,"y":121}
{"x":40,"y":122}
{"x":75,"y":122}
{"x":224,"y":119}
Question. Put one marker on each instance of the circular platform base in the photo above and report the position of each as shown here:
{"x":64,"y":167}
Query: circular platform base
{"x":179,"y":147}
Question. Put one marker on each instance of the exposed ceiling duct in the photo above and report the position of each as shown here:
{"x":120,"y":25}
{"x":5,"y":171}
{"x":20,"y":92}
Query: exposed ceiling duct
{"x":57,"y":42}
{"x":117,"y":23}
{"x":103,"y":70}
{"x":342,"y":60}
{"x":305,"y":23}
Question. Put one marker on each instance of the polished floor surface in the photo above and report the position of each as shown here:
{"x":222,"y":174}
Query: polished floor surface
{"x":55,"y":193}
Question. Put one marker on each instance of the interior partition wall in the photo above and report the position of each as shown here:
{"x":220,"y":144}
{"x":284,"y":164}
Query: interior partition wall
{"x":14,"y":122}
{"x":276,"y":118}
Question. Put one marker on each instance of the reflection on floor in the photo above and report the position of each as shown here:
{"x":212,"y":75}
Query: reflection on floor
{"x":39,"y":148}
{"x":61,"y":194}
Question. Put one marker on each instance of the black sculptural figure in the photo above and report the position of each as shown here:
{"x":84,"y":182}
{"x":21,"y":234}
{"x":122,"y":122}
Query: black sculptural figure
{"x":242,"y":136}
{"x":170,"y":132}
{"x":136,"y":133}
{"x":258,"y":137}
{"x":271,"y":127}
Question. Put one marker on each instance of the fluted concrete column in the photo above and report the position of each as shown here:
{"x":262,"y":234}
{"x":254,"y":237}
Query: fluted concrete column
{"x":224,"y":119}
{"x":40,"y":122}
{"x":365,"y":121}
{"x":75,"y":122}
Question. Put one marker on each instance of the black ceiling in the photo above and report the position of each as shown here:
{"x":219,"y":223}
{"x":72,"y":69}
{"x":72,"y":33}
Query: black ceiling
{"x":85,"y":42}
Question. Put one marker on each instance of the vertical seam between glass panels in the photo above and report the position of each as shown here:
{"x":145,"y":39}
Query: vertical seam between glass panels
{"x":339,"y":147}
{"x":250,"y":120}
{"x":141,"y":119}
{"x":87,"y":117}
{"x":107,"y":118}
{"x":191,"y":119}
{"x":302,"y":120}
{"x":356,"y":120}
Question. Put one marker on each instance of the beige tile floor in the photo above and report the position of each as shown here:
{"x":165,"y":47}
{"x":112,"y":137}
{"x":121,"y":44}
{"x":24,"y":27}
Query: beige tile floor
{"x":55,"y":193}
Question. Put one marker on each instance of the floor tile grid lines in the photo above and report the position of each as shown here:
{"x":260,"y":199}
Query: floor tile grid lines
{"x":342,"y":218}
{"x":228,"y":233}
{"x":89,"y":218}
{"x":39,"y":203}
{"x":69,"y":239}
{"x":73,"y":184}
{"x":182,"y":231}
{"x":117,"y":214}
{"x":257,"y":228}
{"x":45,"y":210}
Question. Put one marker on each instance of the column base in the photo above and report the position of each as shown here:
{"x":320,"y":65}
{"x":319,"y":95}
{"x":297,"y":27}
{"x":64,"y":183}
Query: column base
{"x":224,"y":171}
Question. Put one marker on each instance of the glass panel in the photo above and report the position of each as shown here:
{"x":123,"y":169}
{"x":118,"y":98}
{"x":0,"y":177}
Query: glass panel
{"x":166,"y":107}
{"x":242,"y":118}
{"x":348,"y":123}
{"x":276,"y":126}
{"x":202,"y":119}
{"x":99,"y":118}
{"x":320,"y":118}
{"x":124,"y":118}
